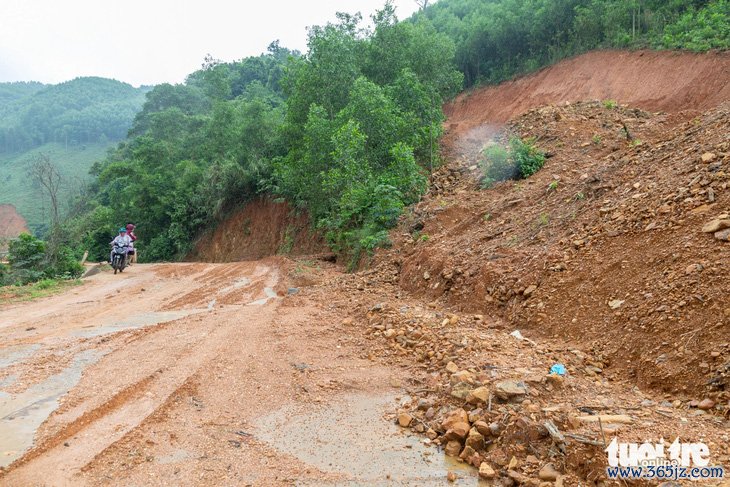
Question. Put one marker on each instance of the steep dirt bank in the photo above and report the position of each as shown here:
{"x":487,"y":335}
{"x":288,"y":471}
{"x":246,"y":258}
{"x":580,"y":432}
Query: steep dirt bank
{"x":261,"y":228}
{"x":11,"y":223}
{"x":651,"y":80}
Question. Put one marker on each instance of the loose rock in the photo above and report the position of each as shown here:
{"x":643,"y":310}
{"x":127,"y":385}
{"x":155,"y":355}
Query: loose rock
{"x":486,"y":471}
{"x":510,"y":389}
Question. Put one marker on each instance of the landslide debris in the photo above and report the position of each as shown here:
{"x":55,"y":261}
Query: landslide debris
{"x":619,"y":242}
{"x":605,"y":264}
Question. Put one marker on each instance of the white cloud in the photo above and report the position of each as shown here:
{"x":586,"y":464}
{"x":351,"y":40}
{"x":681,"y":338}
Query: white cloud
{"x":152,"y":41}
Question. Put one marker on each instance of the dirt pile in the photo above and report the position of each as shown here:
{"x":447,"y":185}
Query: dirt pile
{"x":262,"y":228}
{"x":651,"y":80}
{"x":604,"y":245}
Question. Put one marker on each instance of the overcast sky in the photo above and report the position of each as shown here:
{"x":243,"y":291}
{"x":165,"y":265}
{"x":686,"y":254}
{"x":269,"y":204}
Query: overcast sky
{"x":153,"y":41}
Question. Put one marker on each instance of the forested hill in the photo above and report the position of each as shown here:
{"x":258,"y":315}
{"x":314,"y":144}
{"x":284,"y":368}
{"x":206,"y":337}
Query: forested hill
{"x":348,"y":130}
{"x":498,"y":39}
{"x":82,"y":111}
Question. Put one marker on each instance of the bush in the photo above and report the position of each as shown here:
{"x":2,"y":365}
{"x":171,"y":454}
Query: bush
{"x":31,"y":259}
{"x":522,"y":160}
{"x":26,"y":255}
{"x":64,"y":265}
{"x":497,"y":165}
{"x":528,"y":158}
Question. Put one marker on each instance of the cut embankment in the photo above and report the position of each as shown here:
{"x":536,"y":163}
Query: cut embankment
{"x":262,"y":228}
{"x":651,"y":80}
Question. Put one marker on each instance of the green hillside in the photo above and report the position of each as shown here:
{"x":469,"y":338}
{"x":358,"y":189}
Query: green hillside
{"x":73,"y":164}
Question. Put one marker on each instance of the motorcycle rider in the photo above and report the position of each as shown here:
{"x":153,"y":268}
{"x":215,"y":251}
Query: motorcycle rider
{"x":121,"y":240}
{"x":132,"y":251}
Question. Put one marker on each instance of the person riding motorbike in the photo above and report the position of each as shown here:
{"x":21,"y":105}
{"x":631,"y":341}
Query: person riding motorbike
{"x":132,"y":251}
{"x":122,"y":241}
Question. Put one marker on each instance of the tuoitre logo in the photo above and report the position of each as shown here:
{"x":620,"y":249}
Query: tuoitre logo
{"x":644,"y":454}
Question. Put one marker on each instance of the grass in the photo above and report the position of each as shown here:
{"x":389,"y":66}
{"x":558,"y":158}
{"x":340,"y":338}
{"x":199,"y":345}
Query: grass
{"x":36,"y":290}
{"x":73,"y":163}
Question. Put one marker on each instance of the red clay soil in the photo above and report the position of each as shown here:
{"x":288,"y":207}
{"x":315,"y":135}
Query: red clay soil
{"x":11,"y":223}
{"x":651,"y":80}
{"x":261,"y":228}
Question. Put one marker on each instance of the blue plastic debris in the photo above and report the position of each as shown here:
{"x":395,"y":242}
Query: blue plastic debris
{"x":558,"y":369}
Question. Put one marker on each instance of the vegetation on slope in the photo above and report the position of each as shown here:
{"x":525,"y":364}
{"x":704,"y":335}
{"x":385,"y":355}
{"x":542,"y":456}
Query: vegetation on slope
{"x":498,"y":39}
{"x":349,"y":130}
{"x":345,"y":131}
{"x":72,"y":124}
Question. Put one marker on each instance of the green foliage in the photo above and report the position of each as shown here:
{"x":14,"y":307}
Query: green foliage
{"x":519,"y":161}
{"x":497,"y":165}
{"x":26,"y":256}
{"x":498,"y":39}
{"x":528,"y":158}
{"x":194,"y":151}
{"x":32,"y":259}
{"x":345,"y":131}
{"x":363,"y":112}
{"x":699,"y":29}
{"x":609,"y":104}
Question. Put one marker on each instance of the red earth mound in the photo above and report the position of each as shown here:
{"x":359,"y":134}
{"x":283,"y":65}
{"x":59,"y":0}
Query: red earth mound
{"x":11,"y":223}
{"x":261,"y":228}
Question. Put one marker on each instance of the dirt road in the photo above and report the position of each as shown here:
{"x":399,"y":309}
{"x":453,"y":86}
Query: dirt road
{"x":194,"y":374}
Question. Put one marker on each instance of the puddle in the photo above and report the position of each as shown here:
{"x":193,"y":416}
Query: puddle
{"x":135,"y":322}
{"x":270,"y":294}
{"x":22,"y":414}
{"x":237,"y":284}
{"x":16,"y":353}
{"x":351,"y":438}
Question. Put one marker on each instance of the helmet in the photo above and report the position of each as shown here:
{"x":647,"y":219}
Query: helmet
{"x":122,"y":230}
{"x":130,"y":227}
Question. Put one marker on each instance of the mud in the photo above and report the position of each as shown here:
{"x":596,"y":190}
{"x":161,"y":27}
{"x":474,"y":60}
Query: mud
{"x":351,"y":438}
{"x":22,"y":414}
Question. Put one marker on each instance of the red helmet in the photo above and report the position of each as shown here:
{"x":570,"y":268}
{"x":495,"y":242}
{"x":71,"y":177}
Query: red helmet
{"x":130,"y":227}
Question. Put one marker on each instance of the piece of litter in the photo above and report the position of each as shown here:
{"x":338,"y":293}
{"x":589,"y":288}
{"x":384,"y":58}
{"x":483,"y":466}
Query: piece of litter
{"x":520,"y":337}
{"x":558,"y":369}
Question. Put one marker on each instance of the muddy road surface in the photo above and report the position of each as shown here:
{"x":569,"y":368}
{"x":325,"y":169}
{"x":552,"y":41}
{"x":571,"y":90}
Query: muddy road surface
{"x":196,"y":374}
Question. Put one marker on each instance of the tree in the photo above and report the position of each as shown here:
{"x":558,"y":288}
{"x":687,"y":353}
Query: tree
{"x":45,"y":173}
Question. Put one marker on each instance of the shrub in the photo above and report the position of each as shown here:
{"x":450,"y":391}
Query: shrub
{"x":497,"y":165}
{"x":31,"y":259}
{"x":522,"y":160}
{"x":26,"y":255}
{"x":528,"y":158}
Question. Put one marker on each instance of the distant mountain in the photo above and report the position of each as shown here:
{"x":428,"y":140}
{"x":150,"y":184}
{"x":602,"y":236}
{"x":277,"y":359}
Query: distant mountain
{"x":81,"y":111}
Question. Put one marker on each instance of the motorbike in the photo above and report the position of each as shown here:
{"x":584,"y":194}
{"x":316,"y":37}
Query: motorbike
{"x":119,"y":257}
